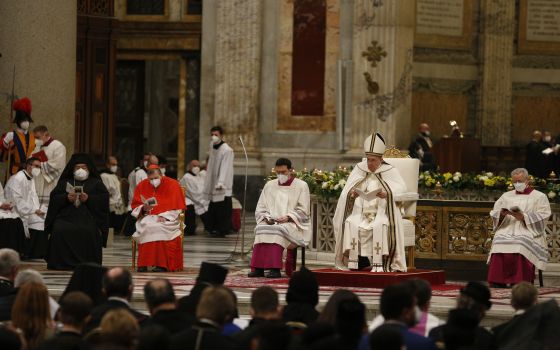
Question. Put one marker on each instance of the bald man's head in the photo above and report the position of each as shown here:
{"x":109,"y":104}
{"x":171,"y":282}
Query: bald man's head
{"x":117,"y":282}
{"x":158,"y":292}
{"x":424,"y":127}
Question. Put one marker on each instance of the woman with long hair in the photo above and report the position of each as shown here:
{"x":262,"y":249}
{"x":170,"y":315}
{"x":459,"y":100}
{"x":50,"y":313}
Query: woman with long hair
{"x":31,"y":314}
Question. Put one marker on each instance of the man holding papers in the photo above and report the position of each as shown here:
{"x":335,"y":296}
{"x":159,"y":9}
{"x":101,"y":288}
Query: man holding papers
{"x":367,"y":223}
{"x":157,"y":203}
{"x":519,"y":242}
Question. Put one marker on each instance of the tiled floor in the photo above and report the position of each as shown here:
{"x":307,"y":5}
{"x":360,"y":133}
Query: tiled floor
{"x":201,"y":248}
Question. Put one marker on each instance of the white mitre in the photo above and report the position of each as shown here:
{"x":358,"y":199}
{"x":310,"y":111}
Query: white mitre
{"x":374,"y":145}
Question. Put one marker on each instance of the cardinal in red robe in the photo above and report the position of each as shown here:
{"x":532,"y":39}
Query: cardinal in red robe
{"x":157,"y":204}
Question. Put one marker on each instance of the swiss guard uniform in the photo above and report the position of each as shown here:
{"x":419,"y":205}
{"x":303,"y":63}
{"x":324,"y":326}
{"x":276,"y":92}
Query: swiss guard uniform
{"x":18,"y":145}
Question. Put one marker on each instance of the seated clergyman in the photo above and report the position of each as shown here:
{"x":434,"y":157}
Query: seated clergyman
{"x":519,"y":243}
{"x":367,"y":223}
{"x":282,"y":216}
{"x":157,"y":204}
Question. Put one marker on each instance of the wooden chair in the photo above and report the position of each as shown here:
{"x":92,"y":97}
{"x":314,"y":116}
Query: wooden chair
{"x":409,"y":168}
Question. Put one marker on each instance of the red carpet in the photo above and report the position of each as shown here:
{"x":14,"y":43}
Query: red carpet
{"x":366,"y":279}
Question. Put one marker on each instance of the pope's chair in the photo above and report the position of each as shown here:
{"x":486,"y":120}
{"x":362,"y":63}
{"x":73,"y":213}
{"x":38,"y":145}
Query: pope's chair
{"x":409,"y":168}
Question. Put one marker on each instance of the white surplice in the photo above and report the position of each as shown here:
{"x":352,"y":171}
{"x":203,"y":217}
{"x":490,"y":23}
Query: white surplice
{"x":219,"y":171}
{"x":525,"y":237}
{"x":113,"y":185}
{"x":6,"y":214}
{"x":373,"y":229}
{"x":134,"y":178}
{"x":276,"y":201}
{"x":50,"y":170}
{"x":194,"y":191}
{"x":20,"y":190}
{"x":148,"y":229}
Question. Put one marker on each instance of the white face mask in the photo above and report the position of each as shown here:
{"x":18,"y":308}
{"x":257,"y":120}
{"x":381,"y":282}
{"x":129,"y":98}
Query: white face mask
{"x":38,"y":143}
{"x":145,"y":164}
{"x":155,"y":182}
{"x":282,"y":179}
{"x":195,"y":170}
{"x":162,"y":171}
{"x":520,"y":186}
{"x":547,"y":138}
{"x":113,"y":168}
{"x":81,"y":174}
{"x":24,"y":125}
{"x":427,"y":133}
{"x":35,"y":172}
{"x":215,"y":139}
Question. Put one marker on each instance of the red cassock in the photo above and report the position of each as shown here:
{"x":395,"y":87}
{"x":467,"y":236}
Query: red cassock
{"x":169,"y":196}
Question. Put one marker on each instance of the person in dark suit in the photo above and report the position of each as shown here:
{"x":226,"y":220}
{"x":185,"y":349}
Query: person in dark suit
{"x":421,"y":148}
{"x":398,"y":307}
{"x":210,"y":274}
{"x":264,"y":308}
{"x":534,"y":158}
{"x":74,"y":311}
{"x":161,"y":301}
{"x":215,"y":308}
{"x":523,"y":296}
{"x":118,"y":287}
{"x":9,"y":263}
{"x":474,"y":297}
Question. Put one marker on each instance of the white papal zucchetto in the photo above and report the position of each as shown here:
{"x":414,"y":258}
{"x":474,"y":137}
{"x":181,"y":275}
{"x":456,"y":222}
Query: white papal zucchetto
{"x":374,"y":145}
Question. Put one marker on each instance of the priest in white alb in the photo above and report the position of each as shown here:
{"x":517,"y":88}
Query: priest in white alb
{"x":282,"y":216}
{"x":368,"y":225}
{"x":52,"y":155}
{"x":20,"y":190}
{"x":519,"y":243}
{"x":218,"y":184}
{"x":157,"y":204}
{"x":197,"y":202}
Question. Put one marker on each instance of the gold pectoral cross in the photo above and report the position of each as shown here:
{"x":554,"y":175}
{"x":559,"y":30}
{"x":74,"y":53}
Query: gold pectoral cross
{"x":377,"y":248}
{"x":353,"y":244}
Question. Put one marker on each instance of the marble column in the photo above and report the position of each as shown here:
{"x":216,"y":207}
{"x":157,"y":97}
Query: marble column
{"x":39,"y":38}
{"x":391,"y":24}
{"x":230,"y":99}
{"x":496,"y":92}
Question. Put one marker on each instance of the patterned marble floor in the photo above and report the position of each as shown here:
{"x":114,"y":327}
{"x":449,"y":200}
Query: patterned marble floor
{"x":202,"y":248}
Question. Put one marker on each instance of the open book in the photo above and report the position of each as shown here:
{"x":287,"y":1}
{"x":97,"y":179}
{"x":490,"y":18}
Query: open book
{"x":514,"y":209}
{"x":368,"y":196}
{"x":152,"y":201}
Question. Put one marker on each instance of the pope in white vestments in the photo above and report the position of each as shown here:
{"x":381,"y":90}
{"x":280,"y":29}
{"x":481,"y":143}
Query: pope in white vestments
{"x":368,"y":225}
{"x":52,"y":155}
{"x":282,"y":216}
{"x":20,"y":190}
{"x":519,"y":243}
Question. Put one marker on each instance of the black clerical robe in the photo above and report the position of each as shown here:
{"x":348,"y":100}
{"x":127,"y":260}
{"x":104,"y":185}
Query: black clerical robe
{"x":76,"y":233}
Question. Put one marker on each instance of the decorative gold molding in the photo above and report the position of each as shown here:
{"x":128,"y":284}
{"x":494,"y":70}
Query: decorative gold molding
{"x":394,"y":152}
{"x":374,"y":53}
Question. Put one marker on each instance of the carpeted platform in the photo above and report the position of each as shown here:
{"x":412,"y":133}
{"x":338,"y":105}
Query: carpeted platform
{"x":367,"y":279}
